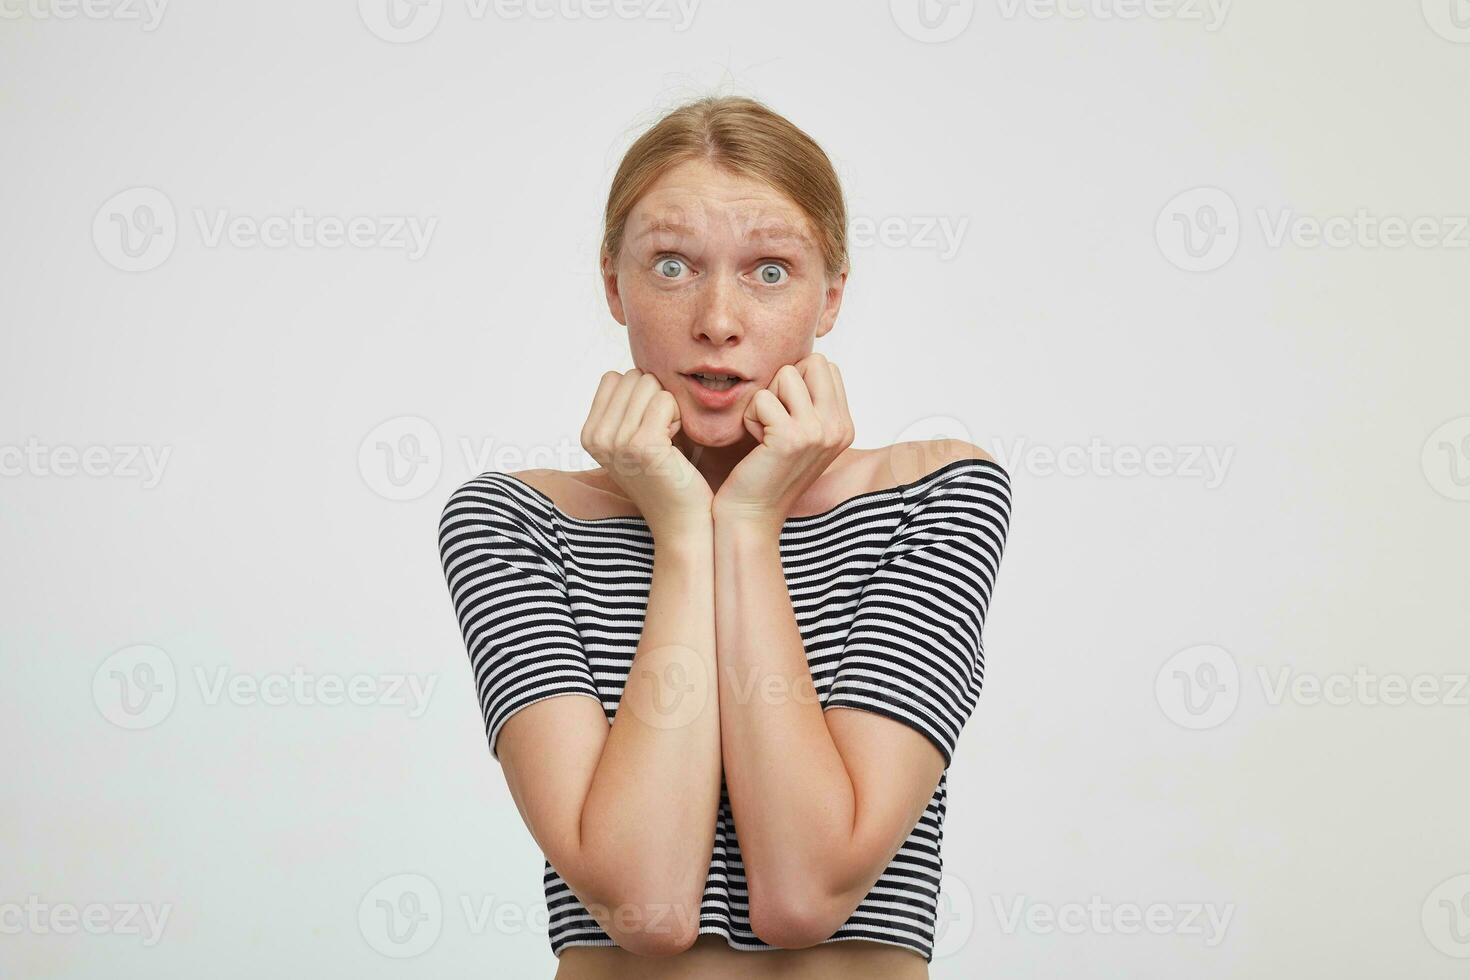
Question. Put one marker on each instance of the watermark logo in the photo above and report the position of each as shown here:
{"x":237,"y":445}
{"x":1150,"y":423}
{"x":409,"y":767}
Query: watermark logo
{"x":401,"y":916}
{"x":1207,"y":920}
{"x":406,"y":233}
{"x":1363,"y":687}
{"x":122,"y":461}
{"x":677,"y":691}
{"x":932,"y":21}
{"x":136,"y":687}
{"x":1199,"y":229}
{"x":401,"y":459}
{"x":1450,"y":19}
{"x":923,"y":444}
{"x":1362,"y":229}
{"x":1211,"y":12}
{"x":401,"y":21}
{"x":135,"y":230}
{"x":954,"y":920}
{"x":149,"y":13}
{"x":1198,"y":687}
{"x":1446,"y":459}
{"x":301,"y":687}
{"x":1446,"y":917}
{"x":1207,"y":464}
{"x":939,"y":233}
{"x":406,"y":21}
{"x":40,"y":918}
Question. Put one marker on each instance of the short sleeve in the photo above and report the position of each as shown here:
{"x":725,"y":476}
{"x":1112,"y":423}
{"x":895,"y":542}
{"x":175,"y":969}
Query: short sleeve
{"x":508,"y":586}
{"x":914,"y":652}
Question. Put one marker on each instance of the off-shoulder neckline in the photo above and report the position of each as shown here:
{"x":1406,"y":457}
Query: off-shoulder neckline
{"x":940,"y":470}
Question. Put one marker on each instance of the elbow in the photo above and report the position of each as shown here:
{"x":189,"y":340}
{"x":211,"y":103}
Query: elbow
{"x":789,"y":920}
{"x":650,"y":928}
{"x":644,"y":916}
{"x":646,"y":923}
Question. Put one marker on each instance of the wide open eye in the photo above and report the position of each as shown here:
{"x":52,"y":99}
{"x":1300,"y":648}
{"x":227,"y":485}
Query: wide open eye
{"x":669,"y":266}
{"x":773,"y":273}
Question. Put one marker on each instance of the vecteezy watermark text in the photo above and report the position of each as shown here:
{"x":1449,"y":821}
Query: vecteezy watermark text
{"x":40,"y":918}
{"x":1200,"y":230}
{"x":136,"y":687}
{"x":1098,"y":458}
{"x":1200,"y":687}
{"x":123,"y":461}
{"x":137,"y":229}
{"x":1101,"y":918}
{"x":1211,"y":12}
{"x":148,"y":12}
{"x":406,"y":21}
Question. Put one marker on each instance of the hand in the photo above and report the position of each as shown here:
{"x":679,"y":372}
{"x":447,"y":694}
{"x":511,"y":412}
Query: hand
{"x":802,"y":422}
{"x":629,"y":431}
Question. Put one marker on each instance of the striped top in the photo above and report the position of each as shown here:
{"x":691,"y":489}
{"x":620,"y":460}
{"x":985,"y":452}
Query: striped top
{"x":890,"y":590}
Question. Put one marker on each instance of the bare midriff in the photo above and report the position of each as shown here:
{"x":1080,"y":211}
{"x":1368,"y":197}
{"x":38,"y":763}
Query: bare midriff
{"x":712,"y":958}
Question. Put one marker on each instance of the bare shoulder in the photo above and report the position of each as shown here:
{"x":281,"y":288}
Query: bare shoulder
{"x":583,"y":494}
{"x":547,"y":481}
{"x":906,"y":462}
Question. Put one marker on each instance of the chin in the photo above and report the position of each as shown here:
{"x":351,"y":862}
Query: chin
{"x":725,"y":432}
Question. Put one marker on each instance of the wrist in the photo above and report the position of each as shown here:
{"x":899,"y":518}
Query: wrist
{"x":693,"y":534}
{"x":743,"y":524}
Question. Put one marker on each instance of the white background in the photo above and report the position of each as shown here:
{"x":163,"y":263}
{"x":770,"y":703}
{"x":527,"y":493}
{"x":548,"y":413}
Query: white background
{"x":1331,"y":379}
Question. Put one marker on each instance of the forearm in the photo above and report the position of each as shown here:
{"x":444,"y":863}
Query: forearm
{"x":790,"y":792}
{"x":648,"y":823}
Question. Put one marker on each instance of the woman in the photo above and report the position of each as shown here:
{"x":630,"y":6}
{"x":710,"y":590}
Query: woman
{"x":732,"y":572}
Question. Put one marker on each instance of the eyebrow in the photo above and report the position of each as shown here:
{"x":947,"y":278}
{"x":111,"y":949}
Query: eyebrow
{"x":775,"y":232}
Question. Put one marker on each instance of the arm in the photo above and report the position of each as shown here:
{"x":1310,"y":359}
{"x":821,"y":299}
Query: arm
{"x":624,"y":813}
{"x":824,"y":801}
{"x":814,"y":836}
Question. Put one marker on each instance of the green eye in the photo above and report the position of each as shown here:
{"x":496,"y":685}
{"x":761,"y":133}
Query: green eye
{"x":771,"y":274}
{"x":665,"y":264}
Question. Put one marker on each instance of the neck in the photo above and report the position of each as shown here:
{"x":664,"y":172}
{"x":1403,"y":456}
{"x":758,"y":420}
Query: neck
{"x":715,"y":462}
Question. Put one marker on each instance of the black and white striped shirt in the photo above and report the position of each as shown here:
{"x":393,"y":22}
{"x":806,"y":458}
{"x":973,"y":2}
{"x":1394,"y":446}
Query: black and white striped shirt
{"x":890,"y":590}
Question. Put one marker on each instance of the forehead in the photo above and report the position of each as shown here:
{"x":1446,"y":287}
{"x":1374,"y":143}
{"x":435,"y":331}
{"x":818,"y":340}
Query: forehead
{"x":696,"y":198}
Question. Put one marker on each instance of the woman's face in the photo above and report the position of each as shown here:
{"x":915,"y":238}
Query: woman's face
{"x":721,"y":272}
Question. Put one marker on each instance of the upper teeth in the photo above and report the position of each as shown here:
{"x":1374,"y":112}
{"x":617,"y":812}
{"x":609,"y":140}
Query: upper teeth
{"x":717,"y":377}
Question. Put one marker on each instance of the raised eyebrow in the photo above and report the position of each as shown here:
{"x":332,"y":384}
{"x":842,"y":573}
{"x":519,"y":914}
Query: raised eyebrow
{"x":778,"y":234}
{"x":656,"y":225}
{"x":775,"y":234}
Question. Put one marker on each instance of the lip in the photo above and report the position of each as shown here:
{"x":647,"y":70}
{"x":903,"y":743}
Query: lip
{"x":715,"y":400}
{"x":716,"y":369}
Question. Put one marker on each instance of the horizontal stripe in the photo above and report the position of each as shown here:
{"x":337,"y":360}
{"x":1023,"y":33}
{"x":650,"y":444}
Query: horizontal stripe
{"x":890,"y":590}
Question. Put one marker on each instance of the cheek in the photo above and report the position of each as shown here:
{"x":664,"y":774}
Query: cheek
{"x":781,"y":322}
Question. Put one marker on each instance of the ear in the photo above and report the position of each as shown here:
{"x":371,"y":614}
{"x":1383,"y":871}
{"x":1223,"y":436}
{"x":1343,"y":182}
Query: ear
{"x":833,"y":301}
{"x":610,"y":287}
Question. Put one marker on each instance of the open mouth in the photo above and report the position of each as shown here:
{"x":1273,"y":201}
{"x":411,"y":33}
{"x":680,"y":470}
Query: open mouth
{"x":717,"y":382}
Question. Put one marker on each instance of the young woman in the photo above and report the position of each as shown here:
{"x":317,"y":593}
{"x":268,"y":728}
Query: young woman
{"x":732,"y":573}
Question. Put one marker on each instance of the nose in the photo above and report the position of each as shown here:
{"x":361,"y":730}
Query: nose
{"x":717,"y":318}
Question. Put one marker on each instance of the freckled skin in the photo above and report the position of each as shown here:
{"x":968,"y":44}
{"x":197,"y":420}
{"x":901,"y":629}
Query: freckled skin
{"x":713,"y":295}
{"x":707,"y":295}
